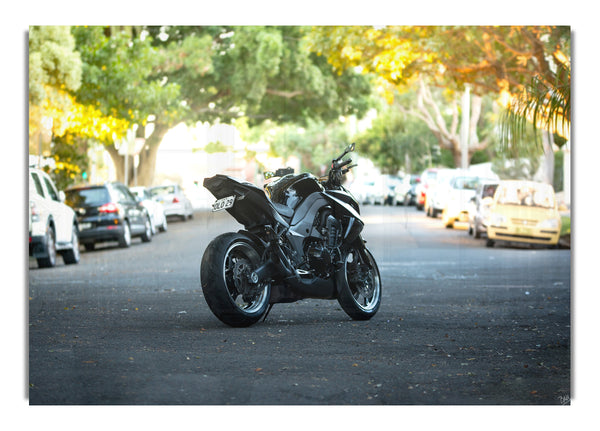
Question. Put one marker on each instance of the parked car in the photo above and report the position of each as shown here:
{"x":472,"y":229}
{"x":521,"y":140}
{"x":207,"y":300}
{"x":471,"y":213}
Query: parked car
{"x":378,"y":190}
{"x":158,"y":219}
{"x":108,"y":212}
{"x":388,"y":184}
{"x":405,"y":191}
{"x":462,"y":189}
{"x":479,"y":208}
{"x":361,"y":189}
{"x":53,"y":226}
{"x":526,"y":212}
{"x":427,"y":177}
{"x":174,"y":200}
{"x":438,"y":192}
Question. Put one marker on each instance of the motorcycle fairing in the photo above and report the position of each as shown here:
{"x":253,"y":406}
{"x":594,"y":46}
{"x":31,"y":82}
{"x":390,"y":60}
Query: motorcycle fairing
{"x":346,"y":213}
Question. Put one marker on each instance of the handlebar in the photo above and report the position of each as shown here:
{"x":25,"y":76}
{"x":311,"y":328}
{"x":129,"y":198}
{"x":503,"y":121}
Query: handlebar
{"x":336,"y":172}
{"x":336,"y":165}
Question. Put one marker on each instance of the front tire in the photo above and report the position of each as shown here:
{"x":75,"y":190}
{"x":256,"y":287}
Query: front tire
{"x":359,"y":285}
{"x":225,"y":275}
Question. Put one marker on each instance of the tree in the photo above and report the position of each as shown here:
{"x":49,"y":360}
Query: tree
{"x":118,"y":64}
{"x":210,"y":73}
{"x":54,"y":69}
{"x":397,"y":141}
{"x":66,"y":125}
{"x":315,"y":145}
{"x":492,"y":60}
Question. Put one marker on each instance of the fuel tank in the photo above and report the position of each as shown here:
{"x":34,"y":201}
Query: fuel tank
{"x":291,"y":190}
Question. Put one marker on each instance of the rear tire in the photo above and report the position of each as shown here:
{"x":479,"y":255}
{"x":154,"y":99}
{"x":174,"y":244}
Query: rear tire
{"x":50,"y":260}
{"x":147,"y":235}
{"x":225,"y":271}
{"x":72,"y":255}
{"x":125,"y":239}
{"x":164,"y":227}
{"x":359,"y":285}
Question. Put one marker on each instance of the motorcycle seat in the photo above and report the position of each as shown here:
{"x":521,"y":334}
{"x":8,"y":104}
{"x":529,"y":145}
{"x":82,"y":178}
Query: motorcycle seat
{"x":283,"y":210}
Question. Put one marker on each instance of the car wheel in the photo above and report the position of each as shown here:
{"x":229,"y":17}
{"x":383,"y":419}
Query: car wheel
{"x":89,"y":246}
{"x":125,"y":239}
{"x":489,"y":243}
{"x":72,"y":255}
{"x":163,"y":227}
{"x":50,"y":260}
{"x":147,"y":235}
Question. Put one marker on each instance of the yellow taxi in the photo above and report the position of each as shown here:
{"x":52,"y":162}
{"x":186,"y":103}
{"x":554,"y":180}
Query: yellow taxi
{"x":526,"y":212}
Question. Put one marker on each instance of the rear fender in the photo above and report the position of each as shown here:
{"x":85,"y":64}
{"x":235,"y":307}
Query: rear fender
{"x":251,"y":207}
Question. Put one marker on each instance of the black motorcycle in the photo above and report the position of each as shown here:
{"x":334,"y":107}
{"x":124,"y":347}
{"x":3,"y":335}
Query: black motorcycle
{"x":302,"y":239}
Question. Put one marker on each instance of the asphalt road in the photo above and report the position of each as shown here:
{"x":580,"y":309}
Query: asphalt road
{"x":459,"y":324}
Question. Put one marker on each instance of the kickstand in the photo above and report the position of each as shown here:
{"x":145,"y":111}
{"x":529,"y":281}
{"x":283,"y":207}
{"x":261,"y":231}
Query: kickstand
{"x":268,"y":311}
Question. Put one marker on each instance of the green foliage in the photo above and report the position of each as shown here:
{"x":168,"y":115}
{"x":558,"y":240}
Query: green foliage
{"x":314,"y":145}
{"x":216,"y":147}
{"x":116,"y":75}
{"x":71,"y":161}
{"x":53,"y":62}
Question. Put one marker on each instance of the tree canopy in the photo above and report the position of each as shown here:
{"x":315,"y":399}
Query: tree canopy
{"x":97,"y":82}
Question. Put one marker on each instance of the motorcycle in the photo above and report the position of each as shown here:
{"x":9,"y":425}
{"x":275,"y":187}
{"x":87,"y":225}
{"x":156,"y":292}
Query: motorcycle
{"x":301,"y":239}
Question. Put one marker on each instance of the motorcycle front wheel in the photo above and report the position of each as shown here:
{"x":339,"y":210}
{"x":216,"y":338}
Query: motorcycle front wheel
{"x":359,"y":285}
{"x":226,"y":277}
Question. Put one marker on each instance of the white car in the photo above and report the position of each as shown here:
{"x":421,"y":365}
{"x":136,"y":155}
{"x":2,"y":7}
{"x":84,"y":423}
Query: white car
{"x":460,"y":191}
{"x":158,"y":219}
{"x":53,"y":227}
{"x":480,"y":208}
{"x":438,"y":192}
{"x":174,"y":200}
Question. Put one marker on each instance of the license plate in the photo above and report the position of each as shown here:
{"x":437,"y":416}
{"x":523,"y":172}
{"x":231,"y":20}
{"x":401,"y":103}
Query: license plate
{"x":224,"y":203}
{"x":83,"y":226}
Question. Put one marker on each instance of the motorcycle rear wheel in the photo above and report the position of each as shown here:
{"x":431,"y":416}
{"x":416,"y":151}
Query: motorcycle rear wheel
{"x":359,"y":285}
{"x":225,"y":275}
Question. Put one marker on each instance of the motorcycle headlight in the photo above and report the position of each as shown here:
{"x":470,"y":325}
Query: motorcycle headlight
{"x":497,"y":220}
{"x":550,"y":223}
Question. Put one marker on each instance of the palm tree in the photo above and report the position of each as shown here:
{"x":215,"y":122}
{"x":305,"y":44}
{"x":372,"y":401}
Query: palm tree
{"x":544,"y":105}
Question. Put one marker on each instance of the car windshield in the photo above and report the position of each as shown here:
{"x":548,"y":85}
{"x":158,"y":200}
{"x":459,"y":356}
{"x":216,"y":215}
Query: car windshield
{"x":163,"y":190}
{"x":465,"y":183}
{"x":534,"y":195}
{"x":95,"y":196}
{"x":489,"y":190}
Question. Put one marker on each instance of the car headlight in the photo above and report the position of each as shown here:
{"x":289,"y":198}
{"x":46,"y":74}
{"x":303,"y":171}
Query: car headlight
{"x":550,"y":223}
{"x":497,"y":220}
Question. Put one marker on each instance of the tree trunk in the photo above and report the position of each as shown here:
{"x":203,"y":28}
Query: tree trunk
{"x":147,"y":166}
{"x":147,"y":156}
{"x":547,"y":142}
{"x":449,"y":137}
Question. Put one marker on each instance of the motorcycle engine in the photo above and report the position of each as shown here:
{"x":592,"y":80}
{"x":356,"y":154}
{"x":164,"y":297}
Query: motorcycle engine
{"x":320,"y":252}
